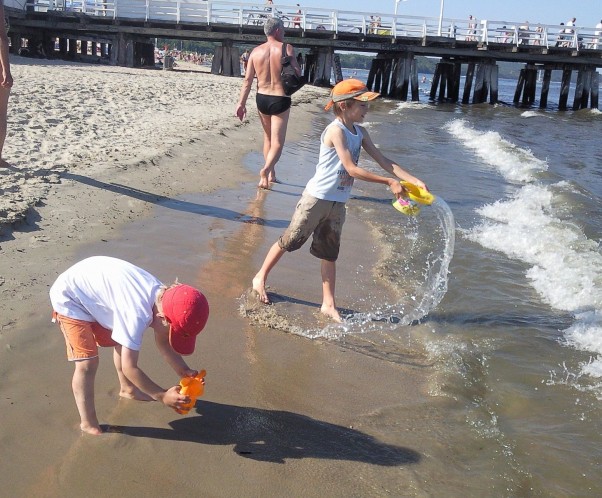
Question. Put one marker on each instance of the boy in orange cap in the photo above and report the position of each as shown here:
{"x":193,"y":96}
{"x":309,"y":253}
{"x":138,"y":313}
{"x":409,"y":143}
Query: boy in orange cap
{"x":321,"y":210}
{"x":104,"y":301}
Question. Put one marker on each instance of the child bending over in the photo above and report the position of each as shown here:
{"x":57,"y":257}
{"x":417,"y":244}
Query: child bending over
{"x":103,"y":301}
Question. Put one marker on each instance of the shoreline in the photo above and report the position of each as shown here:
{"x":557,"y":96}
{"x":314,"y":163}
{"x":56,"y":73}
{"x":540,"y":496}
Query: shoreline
{"x":272,"y":398}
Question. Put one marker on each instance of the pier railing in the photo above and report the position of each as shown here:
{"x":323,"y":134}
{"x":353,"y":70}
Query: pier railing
{"x":336,"y":22}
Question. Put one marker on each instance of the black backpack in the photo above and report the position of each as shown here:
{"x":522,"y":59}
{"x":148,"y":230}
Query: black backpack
{"x":290,"y":81}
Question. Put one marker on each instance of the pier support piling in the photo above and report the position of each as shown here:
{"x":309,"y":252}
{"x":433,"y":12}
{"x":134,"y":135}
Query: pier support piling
{"x":468,"y":83}
{"x":564,"y":89}
{"x":226,"y":60}
{"x":545,"y":88}
{"x":526,"y":86}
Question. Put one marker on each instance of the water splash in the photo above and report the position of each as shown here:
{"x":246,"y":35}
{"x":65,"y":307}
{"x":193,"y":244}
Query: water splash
{"x":426,"y":294}
{"x":435,"y":284}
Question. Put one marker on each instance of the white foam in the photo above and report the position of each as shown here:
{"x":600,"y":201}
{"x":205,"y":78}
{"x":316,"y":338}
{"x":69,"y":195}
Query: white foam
{"x":533,"y":114}
{"x":404,"y":106}
{"x":514,"y":163}
{"x":586,"y":335}
{"x":566,"y":267}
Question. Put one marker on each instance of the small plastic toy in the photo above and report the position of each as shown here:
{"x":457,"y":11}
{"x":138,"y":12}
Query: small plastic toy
{"x":193,"y":387}
{"x":416,"y":195}
{"x":406,"y":207}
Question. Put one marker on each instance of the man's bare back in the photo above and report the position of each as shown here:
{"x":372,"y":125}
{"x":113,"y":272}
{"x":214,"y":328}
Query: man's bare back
{"x":266,"y":60}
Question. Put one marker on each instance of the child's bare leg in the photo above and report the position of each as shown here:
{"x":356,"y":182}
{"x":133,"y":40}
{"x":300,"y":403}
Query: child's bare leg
{"x":83,"y":390}
{"x":127,"y":389}
{"x":273,"y":256}
{"x":329,"y":275}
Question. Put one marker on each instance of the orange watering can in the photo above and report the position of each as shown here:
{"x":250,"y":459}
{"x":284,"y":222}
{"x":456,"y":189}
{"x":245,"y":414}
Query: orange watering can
{"x":192,"y":387}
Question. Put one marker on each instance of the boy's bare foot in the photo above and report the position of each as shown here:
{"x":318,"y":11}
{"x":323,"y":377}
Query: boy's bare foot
{"x":331,"y":312}
{"x":93,"y":430}
{"x":259,"y":287}
{"x":135,"y":394}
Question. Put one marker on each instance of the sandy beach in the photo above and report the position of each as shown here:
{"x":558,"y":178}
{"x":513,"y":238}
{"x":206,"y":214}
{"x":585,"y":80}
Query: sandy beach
{"x":150,"y":166}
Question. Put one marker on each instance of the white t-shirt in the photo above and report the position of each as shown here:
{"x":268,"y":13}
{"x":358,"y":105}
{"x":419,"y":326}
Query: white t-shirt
{"x":331,"y":182}
{"x":110,"y":291}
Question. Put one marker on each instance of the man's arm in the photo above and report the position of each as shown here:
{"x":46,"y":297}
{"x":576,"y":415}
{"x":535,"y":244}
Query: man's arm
{"x":241,"y":109}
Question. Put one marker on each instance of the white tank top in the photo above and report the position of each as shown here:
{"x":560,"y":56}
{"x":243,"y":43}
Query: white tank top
{"x":331,"y":182}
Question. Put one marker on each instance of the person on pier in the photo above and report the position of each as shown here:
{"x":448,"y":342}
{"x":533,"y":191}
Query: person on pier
{"x":265,"y":63}
{"x":598,"y":36}
{"x":472,"y":31}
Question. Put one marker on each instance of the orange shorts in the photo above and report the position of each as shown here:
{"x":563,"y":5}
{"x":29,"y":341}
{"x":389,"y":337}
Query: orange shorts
{"x":83,"y":338}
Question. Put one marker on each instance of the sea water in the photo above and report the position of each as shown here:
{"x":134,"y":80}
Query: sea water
{"x":500,"y":283}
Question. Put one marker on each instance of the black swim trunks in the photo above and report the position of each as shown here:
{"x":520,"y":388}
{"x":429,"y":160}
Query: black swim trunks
{"x":272,"y":104}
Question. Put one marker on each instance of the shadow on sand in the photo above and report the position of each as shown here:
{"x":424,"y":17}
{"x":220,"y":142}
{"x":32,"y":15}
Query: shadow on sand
{"x":176,"y":204}
{"x":275,"y":436}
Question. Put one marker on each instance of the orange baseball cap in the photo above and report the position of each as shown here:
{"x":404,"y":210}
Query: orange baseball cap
{"x":187,"y":310}
{"x":350,"y":89}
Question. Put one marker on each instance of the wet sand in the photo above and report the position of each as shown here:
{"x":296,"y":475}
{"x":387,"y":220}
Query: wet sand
{"x":282,"y":415}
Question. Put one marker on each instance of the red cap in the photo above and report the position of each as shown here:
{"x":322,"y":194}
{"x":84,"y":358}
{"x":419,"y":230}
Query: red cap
{"x":186,"y":309}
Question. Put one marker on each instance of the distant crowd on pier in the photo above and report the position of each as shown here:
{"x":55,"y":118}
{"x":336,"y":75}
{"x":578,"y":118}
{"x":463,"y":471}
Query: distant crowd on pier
{"x":529,"y":34}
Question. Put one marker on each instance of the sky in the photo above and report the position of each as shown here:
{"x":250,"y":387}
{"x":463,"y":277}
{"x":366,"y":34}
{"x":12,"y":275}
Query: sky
{"x":587,"y":12}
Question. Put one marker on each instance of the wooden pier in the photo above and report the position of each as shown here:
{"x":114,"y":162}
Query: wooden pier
{"x":121,"y":32}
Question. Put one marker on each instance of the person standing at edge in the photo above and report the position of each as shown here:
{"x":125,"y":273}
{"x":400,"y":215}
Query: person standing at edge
{"x":7,"y":80}
{"x":272,"y":103}
{"x":321,"y":211}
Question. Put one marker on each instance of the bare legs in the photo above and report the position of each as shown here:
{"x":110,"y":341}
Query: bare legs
{"x":4,"y":93}
{"x":329,"y":275}
{"x":274,"y":135}
{"x":83,"y":390}
{"x":273,"y":256}
{"x":328,"y":270}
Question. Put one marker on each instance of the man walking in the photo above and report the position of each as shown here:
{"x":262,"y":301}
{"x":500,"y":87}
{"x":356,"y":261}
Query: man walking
{"x":272,"y":103}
